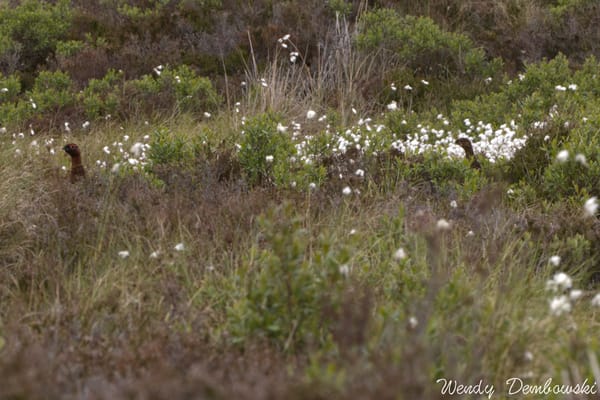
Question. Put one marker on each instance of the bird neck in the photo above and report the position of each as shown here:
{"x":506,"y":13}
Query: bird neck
{"x":76,"y":161}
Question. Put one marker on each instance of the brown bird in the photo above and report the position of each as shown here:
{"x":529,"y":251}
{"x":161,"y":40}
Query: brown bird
{"x":468,"y":148}
{"x":77,"y":170}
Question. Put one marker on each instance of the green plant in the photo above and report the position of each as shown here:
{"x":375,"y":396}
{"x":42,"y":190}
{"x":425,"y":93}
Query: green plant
{"x":102,"y":97}
{"x":290,"y":285}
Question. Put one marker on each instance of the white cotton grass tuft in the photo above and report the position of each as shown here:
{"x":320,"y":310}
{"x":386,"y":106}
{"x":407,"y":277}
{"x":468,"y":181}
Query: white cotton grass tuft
{"x":179,"y":247}
{"x":575,"y":294}
{"x":123,"y":253}
{"x":399,"y":254}
{"x":310,"y":114}
{"x":559,"y":282}
{"x":347,"y":191}
{"x":155,"y":254}
{"x":591,"y":206}
{"x":596,"y":300}
{"x":562,"y":156}
{"x":560,"y":305}
{"x":554,"y":260}
{"x":581,"y":159}
{"x":443,"y":225}
{"x":344,"y":270}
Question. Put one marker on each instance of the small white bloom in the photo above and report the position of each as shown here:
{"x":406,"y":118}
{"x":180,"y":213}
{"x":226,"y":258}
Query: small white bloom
{"x":281,"y":128}
{"x":572,"y":87}
{"x":453,"y":204}
{"x":575,"y":294}
{"x":596,"y":300}
{"x":443,"y":225}
{"x":580,"y":158}
{"x":408,"y":87}
{"x":470,"y":234}
{"x":286,"y":36}
{"x":344,"y":270}
{"x":312,"y":186}
{"x":352,"y":231}
{"x":399,"y":254}
{"x":310,"y":114}
{"x":562,"y":156}
{"x":137,"y":149}
{"x":347,"y":191}
{"x":392,"y":106}
{"x":424,"y":82}
{"x":115,"y":168}
{"x":560,"y":305}
{"x":488,"y":80}
{"x":560,"y":88}
{"x":269,"y":158}
{"x":155,"y":254}
{"x":591,"y":206}
{"x":123,"y":254}
{"x":85,"y":125}
{"x":559,"y":282}
{"x":413,"y":322}
{"x":555,"y":260}
{"x":207,"y":114}
{"x":179,"y":247}
{"x":359,"y":172}
{"x":133,"y":161}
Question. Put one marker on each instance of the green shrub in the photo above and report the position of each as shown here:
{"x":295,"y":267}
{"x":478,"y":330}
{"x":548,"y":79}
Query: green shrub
{"x":34,"y":27}
{"x":179,"y":88}
{"x":290,"y":285}
{"x":166,"y":148}
{"x":263,"y":149}
{"x":102,"y":97}
{"x":422,"y":45}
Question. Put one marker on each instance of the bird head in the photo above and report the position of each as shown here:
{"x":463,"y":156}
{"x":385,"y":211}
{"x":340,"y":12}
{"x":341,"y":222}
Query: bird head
{"x":72,"y":149}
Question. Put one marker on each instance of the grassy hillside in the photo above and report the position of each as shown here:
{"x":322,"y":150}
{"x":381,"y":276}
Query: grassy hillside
{"x":275,"y":205}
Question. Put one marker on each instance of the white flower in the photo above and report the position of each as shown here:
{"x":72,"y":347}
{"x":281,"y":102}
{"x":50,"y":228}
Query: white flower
{"x":399,"y":254}
{"x":559,"y":282}
{"x":347,"y":191}
{"x":137,"y":149}
{"x":413,"y":322}
{"x":392,"y":106}
{"x":560,"y":88}
{"x":281,"y":128}
{"x":562,"y":156}
{"x":207,"y":114}
{"x":269,"y":158}
{"x":408,"y":87}
{"x":591,"y":206}
{"x":580,"y":158}
{"x":555,"y":260}
{"x":443,"y":225}
{"x":488,"y":80}
{"x":179,"y":247}
{"x":344,"y":270}
{"x":424,"y":82}
{"x":560,"y":305}
{"x":453,"y":204}
{"x":470,"y":234}
{"x":573,"y":86}
{"x":352,"y":232}
{"x":115,"y":168}
{"x":123,"y":254}
{"x":286,"y":36}
{"x":359,"y":172}
{"x":312,"y":185}
{"x":596,"y":300}
{"x":575,"y":294}
{"x":155,"y":254}
{"x":310,"y":114}
{"x":85,"y":125}
{"x":133,"y":161}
